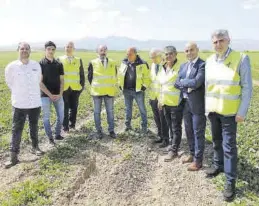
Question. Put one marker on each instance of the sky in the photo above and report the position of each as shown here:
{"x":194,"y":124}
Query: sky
{"x":42,"y":20}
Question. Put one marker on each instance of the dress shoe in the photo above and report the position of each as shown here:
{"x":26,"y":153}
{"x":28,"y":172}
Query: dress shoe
{"x":229,"y":192}
{"x":194,"y":166}
{"x":59,"y":137}
{"x":112,"y":135}
{"x":213,"y":172}
{"x":158,"y":141}
{"x":187,"y":159}
{"x":13,"y":161}
{"x":164,"y":144}
{"x":36,"y":151}
{"x":170,"y":156}
{"x":99,"y":135}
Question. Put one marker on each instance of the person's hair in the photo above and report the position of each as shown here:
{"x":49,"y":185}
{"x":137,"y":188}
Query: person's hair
{"x":157,"y":52}
{"x":220,"y":33}
{"x":170,"y":49}
{"x":50,"y":43}
{"x":21,"y":43}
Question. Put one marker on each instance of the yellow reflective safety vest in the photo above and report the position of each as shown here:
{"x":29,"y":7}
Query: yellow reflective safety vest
{"x":154,"y":86}
{"x":71,"y":73}
{"x":104,"y":79}
{"x":223,"y":90}
{"x":169,"y":95}
{"x":142,"y":75}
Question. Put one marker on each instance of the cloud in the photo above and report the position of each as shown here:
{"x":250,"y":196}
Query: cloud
{"x":250,"y":4}
{"x":86,"y":5}
{"x":4,"y":3}
{"x":57,"y":11}
{"x":142,"y":9}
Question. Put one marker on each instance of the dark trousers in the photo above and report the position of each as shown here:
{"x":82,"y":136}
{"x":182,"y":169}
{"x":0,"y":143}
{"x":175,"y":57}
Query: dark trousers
{"x":19,"y":117}
{"x":195,"y":131}
{"x":71,"y":98}
{"x":174,"y":117}
{"x":224,"y":131}
{"x":159,"y":117}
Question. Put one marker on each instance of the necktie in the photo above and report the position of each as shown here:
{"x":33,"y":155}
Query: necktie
{"x":157,"y":68}
{"x":189,"y":69}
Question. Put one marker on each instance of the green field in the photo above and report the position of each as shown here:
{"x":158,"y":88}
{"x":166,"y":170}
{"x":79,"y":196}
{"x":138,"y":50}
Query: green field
{"x":247,"y":138}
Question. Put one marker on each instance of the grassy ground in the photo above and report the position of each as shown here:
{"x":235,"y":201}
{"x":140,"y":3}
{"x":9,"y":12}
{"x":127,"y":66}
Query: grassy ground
{"x":53,"y":167}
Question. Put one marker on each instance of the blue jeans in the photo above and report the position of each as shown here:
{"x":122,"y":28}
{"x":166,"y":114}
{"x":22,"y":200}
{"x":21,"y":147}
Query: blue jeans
{"x":46,"y":108}
{"x":224,"y":131}
{"x":139,"y":97}
{"x":108,"y":101}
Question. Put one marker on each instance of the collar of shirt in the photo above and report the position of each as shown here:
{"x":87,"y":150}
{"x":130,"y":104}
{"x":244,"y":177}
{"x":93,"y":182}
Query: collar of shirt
{"x":165,"y":64}
{"x":225,"y":55}
{"x":19,"y":62}
{"x":194,"y":61}
{"x":50,"y":62}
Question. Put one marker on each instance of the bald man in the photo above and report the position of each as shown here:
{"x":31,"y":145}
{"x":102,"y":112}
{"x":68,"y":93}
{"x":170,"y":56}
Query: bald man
{"x":102,"y":76}
{"x":191,"y":82}
{"x":74,"y":83}
{"x":133,"y":79}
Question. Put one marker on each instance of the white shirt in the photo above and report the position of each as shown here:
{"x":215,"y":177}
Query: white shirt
{"x":24,"y":83}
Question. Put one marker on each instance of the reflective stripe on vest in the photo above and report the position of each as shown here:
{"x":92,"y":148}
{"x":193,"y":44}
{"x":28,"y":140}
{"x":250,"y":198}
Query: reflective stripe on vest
{"x":155,"y":84}
{"x":169,"y":95}
{"x":104,"y":79}
{"x":71,"y":73}
{"x":223,"y":90}
{"x":142,"y":76}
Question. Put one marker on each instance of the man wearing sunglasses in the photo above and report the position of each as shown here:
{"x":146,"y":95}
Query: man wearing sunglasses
{"x":52,"y":86}
{"x":170,"y":100}
{"x":74,"y":82}
{"x":228,"y":94}
{"x":156,"y":55}
{"x":191,"y":82}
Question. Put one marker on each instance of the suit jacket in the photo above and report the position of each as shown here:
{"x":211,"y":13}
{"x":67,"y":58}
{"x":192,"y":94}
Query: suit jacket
{"x":195,"y":82}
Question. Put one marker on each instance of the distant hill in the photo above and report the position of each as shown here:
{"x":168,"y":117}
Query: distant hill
{"x":121,"y":43}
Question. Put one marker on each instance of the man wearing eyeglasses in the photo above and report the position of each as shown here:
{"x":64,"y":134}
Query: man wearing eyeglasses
{"x":170,"y":100}
{"x":156,"y":55}
{"x":191,"y":80}
{"x":52,"y":86}
{"x":74,"y":82}
{"x":228,"y":94}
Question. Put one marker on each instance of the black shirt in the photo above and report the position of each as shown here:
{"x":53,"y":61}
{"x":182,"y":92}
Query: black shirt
{"x":51,"y":72}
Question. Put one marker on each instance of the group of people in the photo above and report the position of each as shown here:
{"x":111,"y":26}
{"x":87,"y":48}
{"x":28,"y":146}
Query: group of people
{"x":220,"y":87}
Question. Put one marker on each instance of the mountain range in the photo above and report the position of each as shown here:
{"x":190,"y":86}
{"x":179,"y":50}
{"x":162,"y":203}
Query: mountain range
{"x":121,"y":43}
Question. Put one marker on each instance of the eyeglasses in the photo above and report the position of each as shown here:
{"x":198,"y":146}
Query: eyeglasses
{"x":219,"y":41}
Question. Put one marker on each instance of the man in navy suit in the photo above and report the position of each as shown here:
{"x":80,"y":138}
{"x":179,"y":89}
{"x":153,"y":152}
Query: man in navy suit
{"x":191,"y":82}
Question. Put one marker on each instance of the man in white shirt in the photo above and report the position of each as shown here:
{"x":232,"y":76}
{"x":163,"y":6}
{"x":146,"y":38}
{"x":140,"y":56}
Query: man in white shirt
{"x":23,"y":78}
